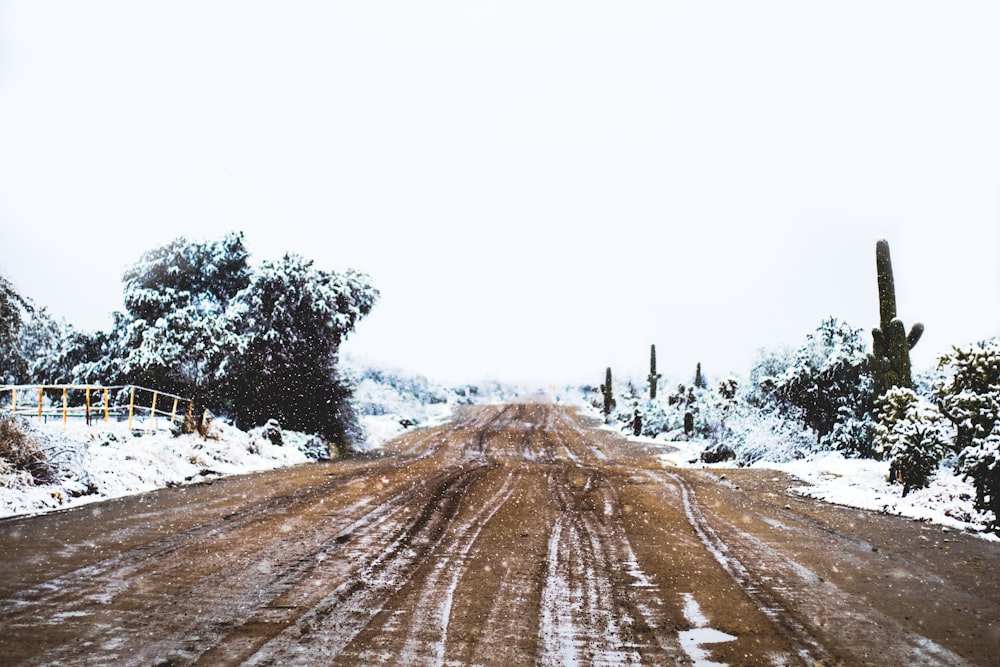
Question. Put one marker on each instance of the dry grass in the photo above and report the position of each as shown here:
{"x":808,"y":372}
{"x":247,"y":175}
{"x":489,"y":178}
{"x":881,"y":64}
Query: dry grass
{"x":19,"y":452}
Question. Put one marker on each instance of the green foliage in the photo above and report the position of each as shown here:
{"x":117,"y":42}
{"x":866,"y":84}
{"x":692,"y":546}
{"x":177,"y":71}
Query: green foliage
{"x":912,"y":435}
{"x":76,"y":357}
{"x":969,"y":397}
{"x":891,"y":344}
{"x":970,"y":393}
{"x":14,"y":308}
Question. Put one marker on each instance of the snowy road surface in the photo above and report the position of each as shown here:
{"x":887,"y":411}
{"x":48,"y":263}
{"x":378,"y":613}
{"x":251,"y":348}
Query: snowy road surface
{"x":511,"y":536}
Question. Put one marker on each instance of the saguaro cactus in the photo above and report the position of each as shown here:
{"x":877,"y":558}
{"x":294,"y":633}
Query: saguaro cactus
{"x":699,"y":381}
{"x":609,"y":397}
{"x":653,"y":375}
{"x":891,"y":344}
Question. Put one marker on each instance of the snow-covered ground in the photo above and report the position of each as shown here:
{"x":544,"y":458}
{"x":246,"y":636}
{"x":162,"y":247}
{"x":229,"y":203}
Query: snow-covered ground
{"x":97,"y":463}
{"x":94,"y":463}
{"x":388,"y":400}
{"x":861,"y":483}
{"x":947,"y":501}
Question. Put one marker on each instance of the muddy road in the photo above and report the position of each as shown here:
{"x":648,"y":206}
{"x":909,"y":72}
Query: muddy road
{"x":512,"y":536}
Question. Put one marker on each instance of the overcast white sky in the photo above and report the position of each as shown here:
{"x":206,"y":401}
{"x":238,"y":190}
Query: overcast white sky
{"x":538,"y":189}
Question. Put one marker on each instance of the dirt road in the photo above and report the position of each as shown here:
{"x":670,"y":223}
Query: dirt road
{"x":512,"y":536}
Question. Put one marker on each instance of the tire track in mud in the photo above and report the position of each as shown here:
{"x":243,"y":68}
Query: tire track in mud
{"x":336,"y":560}
{"x":248,"y":588}
{"x":592,"y":613}
{"x":804,"y":606}
{"x":436,"y":615}
{"x":321,"y":633}
{"x":91,"y":580}
{"x":509,"y":536}
{"x":415,"y":630}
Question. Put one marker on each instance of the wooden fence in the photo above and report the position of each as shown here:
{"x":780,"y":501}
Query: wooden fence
{"x":96,"y":403}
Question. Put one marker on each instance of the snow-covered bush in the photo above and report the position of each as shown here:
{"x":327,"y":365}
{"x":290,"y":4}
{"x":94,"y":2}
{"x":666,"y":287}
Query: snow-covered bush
{"x":770,"y":363}
{"x":293,"y":318}
{"x":980,"y":464}
{"x":766,"y":435}
{"x":969,"y":397}
{"x":912,"y":435}
{"x":656,"y":417}
{"x":382,"y":391}
{"x":827,"y":382}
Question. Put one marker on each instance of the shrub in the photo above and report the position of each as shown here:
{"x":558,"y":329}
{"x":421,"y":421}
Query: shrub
{"x":912,"y":435}
{"x":20,"y":452}
{"x":969,"y":397}
{"x":827,"y":382}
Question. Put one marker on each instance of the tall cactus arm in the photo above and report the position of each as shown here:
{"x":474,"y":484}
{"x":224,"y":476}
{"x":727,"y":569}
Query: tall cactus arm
{"x":879,"y":340}
{"x":915,"y":333}
{"x":886,"y":284}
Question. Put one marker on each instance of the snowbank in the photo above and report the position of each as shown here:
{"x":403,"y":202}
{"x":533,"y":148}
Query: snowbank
{"x":833,"y":478}
{"x":94,"y":463}
{"x":947,"y":501}
{"x":861,"y":483}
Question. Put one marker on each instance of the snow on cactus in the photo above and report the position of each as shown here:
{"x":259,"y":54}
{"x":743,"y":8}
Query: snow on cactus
{"x":969,"y":397}
{"x":912,"y":435}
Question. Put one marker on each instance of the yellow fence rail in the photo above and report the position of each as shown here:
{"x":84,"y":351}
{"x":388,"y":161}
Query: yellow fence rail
{"x":96,"y":403}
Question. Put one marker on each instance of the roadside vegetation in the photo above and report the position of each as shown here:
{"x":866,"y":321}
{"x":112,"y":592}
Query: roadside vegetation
{"x":836,"y":393}
{"x":247,"y":341}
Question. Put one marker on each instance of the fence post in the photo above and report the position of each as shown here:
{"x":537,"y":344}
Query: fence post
{"x":131,"y":406}
{"x":106,"y":416}
{"x":88,"y":405}
{"x":13,"y":401}
{"x":41,"y":397}
{"x":65,"y":392}
{"x":152,"y":416}
{"x":173,"y":412}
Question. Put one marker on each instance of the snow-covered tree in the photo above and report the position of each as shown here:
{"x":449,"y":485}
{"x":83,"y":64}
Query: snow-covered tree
{"x":969,"y":397}
{"x":828,"y":382}
{"x":293,"y":318}
{"x":179,"y":332}
{"x":74,"y":357}
{"x":14,"y":310}
{"x":250,"y":343}
{"x":184,"y":274}
{"x":912,"y":435}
